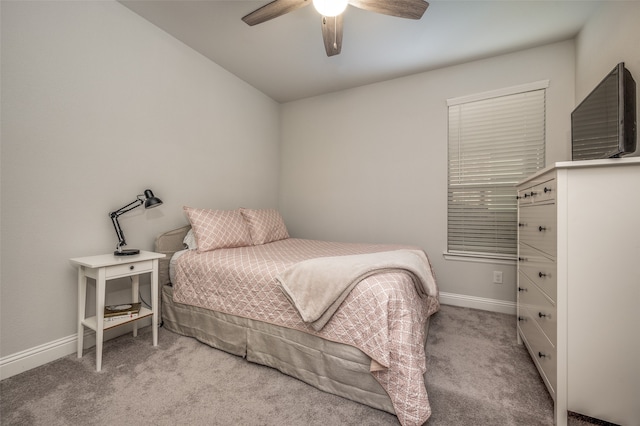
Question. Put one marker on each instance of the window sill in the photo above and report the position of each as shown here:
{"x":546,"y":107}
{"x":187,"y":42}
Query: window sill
{"x":480,"y":258}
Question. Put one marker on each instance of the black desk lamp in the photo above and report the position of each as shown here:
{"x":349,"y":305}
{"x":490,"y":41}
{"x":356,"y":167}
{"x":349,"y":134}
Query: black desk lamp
{"x":149,"y":201}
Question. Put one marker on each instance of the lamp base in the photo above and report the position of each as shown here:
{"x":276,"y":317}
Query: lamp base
{"x":126,"y":252}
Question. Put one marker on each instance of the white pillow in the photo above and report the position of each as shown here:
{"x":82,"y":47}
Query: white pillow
{"x":190,"y":240}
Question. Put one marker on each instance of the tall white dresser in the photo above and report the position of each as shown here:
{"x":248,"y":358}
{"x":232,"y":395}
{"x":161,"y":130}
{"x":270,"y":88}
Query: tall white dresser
{"x":579,"y":285}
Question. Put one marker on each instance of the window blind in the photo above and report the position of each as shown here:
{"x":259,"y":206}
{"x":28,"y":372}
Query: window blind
{"x":493,"y":144}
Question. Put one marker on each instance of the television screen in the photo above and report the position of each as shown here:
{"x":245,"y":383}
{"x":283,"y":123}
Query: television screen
{"x":604,"y":124}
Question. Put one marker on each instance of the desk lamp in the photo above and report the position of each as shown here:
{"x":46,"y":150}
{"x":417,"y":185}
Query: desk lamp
{"x":149,"y":201}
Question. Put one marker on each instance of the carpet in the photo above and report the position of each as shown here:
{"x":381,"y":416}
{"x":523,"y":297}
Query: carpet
{"x":477,"y":375}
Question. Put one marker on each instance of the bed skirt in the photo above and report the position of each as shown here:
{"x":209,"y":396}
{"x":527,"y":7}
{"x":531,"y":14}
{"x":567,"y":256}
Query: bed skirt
{"x":336,"y":368}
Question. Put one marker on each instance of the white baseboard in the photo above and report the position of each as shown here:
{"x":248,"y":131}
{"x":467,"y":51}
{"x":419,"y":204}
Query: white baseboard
{"x":31,"y":358}
{"x":48,"y":352}
{"x":35,"y":357}
{"x":481,"y":303}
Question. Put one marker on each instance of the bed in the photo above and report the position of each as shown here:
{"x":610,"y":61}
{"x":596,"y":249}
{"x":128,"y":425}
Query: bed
{"x":232,"y":292}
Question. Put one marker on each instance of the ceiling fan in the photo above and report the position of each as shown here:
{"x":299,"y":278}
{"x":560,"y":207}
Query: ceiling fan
{"x":331,"y":11}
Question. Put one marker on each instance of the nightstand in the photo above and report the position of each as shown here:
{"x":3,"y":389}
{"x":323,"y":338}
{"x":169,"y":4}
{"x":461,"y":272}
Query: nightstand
{"x":103,"y":268}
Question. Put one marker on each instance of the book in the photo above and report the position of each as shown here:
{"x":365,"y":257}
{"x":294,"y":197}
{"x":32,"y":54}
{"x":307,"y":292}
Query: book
{"x":121,"y":317}
{"x":122,"y":309}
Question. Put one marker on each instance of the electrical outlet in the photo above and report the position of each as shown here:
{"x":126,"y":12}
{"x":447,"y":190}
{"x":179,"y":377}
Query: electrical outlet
{"x":497,"y":277}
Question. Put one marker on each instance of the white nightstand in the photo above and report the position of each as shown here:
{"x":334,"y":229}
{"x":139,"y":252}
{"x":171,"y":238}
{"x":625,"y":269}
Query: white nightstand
{"x":108,"y":267}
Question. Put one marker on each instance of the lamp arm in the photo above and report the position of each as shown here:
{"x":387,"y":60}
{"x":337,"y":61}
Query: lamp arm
{"x":116,"y":225}
{"x":119,"y":233}
{"x":132,"y":205}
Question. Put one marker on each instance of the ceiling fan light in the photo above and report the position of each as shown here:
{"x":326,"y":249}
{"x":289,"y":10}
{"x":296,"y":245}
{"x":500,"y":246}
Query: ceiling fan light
{"x":330,"y":7}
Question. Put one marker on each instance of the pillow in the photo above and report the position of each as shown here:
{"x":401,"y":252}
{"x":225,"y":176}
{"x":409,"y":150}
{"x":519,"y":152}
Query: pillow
{"x":218,"y":228}
{"x":190,"y":240}
{"x":265,"y":226}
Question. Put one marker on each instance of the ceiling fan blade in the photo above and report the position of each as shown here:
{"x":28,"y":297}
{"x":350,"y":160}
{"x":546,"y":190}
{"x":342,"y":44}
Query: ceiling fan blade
{"x":332,"y":34}
{"x":273,"y":10}
{"x":410,"y":9}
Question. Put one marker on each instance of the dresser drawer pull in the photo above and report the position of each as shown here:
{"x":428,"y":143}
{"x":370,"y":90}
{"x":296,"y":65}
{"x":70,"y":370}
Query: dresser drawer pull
{"x":541,"y":275}
{"x":541,"y":355}
{"x":532,"y":194}
{"x":547,"y":189}
{"x":521,"y":224}
{"x":522,"y":289}
{"x":541,"y":228}
{"x":522,"y":319}
{"x":522,"y":259}
{"x":541,"y":315}
{"x":132,"y":267}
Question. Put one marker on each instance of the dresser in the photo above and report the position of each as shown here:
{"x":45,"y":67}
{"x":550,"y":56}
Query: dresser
{"x":578,"y":298}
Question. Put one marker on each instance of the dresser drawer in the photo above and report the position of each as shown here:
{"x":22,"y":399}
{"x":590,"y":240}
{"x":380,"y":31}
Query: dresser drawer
{"x":541,"y":308}
{"x":537,"y":227}
{"x":541,"y":350}
{"x":129,"y":269}
{"x":538,"y":192}
{"x":539,"y":269}
{"x":543,"y":192}
{"x":524,"y":197}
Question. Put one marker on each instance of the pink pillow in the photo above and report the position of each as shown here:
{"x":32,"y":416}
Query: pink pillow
{"x":218,"y":228}
{"x":265,"y":226}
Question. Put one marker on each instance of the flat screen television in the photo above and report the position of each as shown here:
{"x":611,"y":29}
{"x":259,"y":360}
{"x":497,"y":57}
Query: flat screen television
{"x":603,"y":125}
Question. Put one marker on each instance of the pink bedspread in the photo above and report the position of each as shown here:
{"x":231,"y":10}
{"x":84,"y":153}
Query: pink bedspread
{"x":383,"y":316}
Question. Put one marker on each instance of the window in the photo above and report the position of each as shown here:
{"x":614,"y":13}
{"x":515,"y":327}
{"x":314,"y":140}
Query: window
{"x":495,"y":140}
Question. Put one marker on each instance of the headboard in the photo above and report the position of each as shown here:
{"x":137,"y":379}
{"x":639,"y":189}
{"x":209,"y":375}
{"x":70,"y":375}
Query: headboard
{"x":169,"y":243}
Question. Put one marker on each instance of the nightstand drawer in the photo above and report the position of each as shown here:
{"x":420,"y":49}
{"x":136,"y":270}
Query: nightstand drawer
{"x":126,"y":269}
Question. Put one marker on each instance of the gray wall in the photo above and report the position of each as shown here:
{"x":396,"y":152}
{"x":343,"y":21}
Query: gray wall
{"x":97,"y":105}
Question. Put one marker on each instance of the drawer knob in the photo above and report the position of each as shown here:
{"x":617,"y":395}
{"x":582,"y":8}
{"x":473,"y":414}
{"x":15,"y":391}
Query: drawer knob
{"x":541,"y":355}
{"x":541,"y":228}
{"x":541,"y":315}
{"x":547,"y":189}
{"x":522,"y":259}
{"x":522,"y":289}
{"x":521,"y":318}
{"x":131,"y":267}
{"x":532,"y":194}
{"x":521,"y":224}
{"x":542,"y":275}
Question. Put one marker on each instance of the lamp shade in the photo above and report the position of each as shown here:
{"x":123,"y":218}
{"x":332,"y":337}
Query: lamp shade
{"x":150,"y":200}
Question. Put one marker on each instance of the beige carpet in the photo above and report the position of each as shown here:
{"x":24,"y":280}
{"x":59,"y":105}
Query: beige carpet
{"x":477,"y":375}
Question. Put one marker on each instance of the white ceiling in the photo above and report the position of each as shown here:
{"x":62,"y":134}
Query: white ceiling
{"x":285,"y":57}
